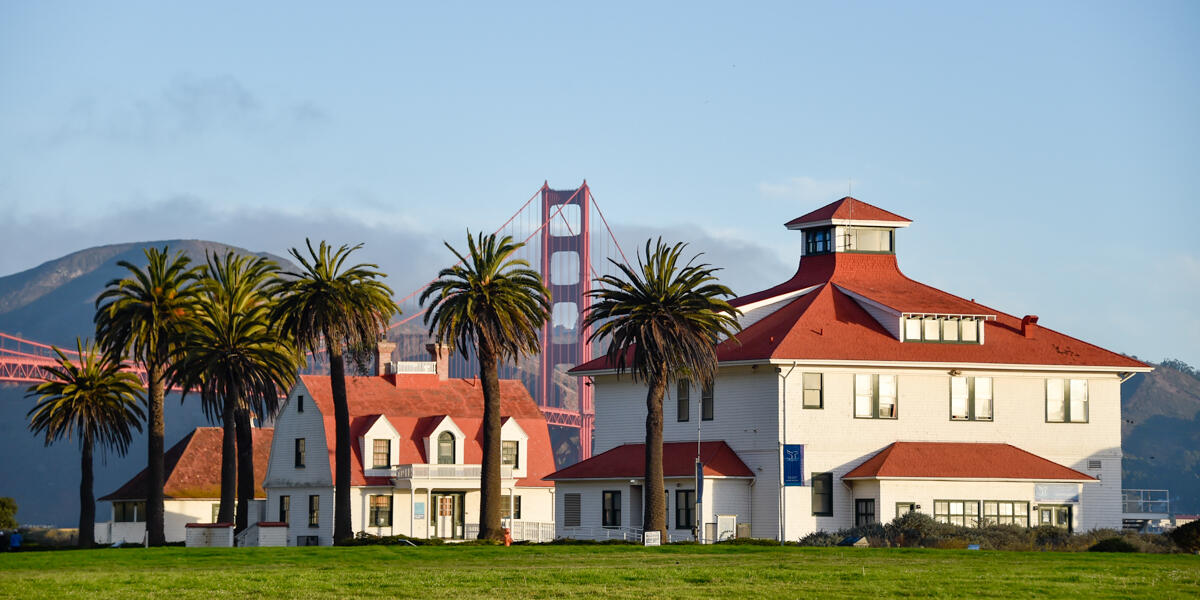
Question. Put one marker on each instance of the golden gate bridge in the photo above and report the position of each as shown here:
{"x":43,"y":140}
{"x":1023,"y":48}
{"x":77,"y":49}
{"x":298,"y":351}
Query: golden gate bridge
{"x":556,"y":227}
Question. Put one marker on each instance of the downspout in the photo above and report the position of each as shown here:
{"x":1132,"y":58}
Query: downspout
{"x":782,"y":442}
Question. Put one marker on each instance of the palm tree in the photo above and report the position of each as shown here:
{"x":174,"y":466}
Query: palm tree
{"x":661,"y":321}
{"x":495,"y":304}
{"x":97,"y":402}
{"x":239,"y":365}
{"x":347,"y":308}
{"x":144,"y":317}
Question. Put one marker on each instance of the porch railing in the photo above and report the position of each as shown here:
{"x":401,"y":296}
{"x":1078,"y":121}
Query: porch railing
{"x":423,"y":471}
{"x":521,"y":531}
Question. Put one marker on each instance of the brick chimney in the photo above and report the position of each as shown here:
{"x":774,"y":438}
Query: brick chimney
{"x":383,"y":356}
{"x":441,"y":355}
{"x":1029,"y":326}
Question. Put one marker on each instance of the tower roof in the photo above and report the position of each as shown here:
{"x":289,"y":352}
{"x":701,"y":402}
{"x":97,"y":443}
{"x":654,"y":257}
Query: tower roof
{"x":848,"y":211}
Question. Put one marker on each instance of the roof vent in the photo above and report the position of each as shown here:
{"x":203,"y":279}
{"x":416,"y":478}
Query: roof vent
{"x":1029,"y":326}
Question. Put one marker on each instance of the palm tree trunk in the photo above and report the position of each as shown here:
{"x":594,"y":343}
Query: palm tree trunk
{"x":655,"y":517}
{"x":87,"y":500}
{"x":155,"y":478}
{"x":489,"y":484}
{"x":245,"y":469}
{"x":342,"y":527}
{"x":225,"y":513}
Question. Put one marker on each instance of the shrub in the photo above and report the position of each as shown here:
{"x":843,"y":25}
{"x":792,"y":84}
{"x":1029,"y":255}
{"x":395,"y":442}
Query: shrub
{"x":363,"y":538}
{"x":1187,"y":537}
{"x":1049,"y":537}
{"x":1113,"y":544}
{"x":821,"y":539}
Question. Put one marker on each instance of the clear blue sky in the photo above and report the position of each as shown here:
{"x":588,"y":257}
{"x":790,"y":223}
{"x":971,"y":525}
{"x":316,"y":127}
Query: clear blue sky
{"x":1047,"y":152}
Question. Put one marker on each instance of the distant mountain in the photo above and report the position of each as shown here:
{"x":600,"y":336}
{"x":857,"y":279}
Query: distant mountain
{"x":1161,"y":433}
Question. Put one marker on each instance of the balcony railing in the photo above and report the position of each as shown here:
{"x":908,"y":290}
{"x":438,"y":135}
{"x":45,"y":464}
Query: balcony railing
{"x":1146,"y":501}
{"x":424,"y":471}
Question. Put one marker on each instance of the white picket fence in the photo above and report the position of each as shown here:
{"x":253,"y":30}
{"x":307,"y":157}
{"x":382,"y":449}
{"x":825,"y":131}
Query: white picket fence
{"x":522,"y":531}
{"x":630,"y":534}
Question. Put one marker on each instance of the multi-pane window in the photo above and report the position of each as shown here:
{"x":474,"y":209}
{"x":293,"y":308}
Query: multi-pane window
{"x":955,"y":330}
{"x":1067,"y":400}
{"x":299,"y":453}
{"x":864,"y":511}
{"x":685,"y":509}
{"x":683,"y":405}
{"x":314,"y":511}
{"x":822,"y":494}
{"x":971,"y":398}
{"x":571,"y":510}
{"x":957,"y":512}
{"x":299,"y":403}
{"x":129,"y":512}
{"x":706,"y":403}
{"x":445,"y":447}
{"x":509,"y":453}
{"x":611,"y":509}
{"x":382,"y":451}
{"x":817,"y":241}
{"x":903,"y":508}
{"x":381,"y":510}
{"x":875,"y":396}
{"x":1005,"y":513}
{"x":510,"y":507}
{"x":868,"y":239}
{"x":812,"y":391}
{"x":285,"y":509}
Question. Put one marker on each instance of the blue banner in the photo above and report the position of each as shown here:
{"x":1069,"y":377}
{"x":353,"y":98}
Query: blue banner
{"x":793,"y":464}
{"x":699,"y":481}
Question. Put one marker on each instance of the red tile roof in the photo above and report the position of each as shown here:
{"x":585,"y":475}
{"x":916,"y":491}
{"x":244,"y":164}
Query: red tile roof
{"x":679,"y":460}
{"x":193,"y":467}
{"x":414,"y":404}
{"x":847,"y":208}
{"x":830,"y":324}
{"x":961,"y":460}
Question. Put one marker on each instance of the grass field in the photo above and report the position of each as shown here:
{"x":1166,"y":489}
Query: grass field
{"x":590,"y":571}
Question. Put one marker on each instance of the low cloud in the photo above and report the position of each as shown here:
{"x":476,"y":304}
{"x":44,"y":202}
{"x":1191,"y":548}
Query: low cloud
{"x":805,"y":189}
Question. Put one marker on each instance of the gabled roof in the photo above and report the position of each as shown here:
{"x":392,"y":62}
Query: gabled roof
{"x":193,"y":467}
{"x":679,"y":460}
{"x":415,"y":404}
{"x":847,"y":209}
{"x":961,"y":460}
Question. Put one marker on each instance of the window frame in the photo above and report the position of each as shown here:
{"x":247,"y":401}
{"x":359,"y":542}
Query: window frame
{"x":314,"y":510}
{"x":516,"y":453}
{"x":972,"y":392}
{"x":610,"y":508}
{"x":510,"y":507}
{"x":387,"y":453}
{"x":285,"y":509}
{"x":912,"y":508}
{"x":1068,"y":416}
{"x":859,"y":513}
{"x":377,"y":511}
{"x":685,"y":509}
{"x":815,"y":243}
{"x":442,"y":437}
{"x":983,"y":515}
{"x":708,"y":408}
{"x":949,"y":514}
{"x":941,"y":327}
{"x":301,"y":453}
{"x":683,"y":399}
{"x":827,"y":480}
{"x":122,"y":508}
{"x":805,"y":389}
{"x":875,"y":396}
{"x":300,"y":403}
{"x":851,"y":232}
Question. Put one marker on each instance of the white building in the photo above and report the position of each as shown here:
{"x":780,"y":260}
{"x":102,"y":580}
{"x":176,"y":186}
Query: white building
{"x":192,"y":490}
{"x":853,"y":394}
{"x":415,"y":464}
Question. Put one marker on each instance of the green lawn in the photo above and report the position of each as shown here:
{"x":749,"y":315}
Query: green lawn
{"x":579,"y":571}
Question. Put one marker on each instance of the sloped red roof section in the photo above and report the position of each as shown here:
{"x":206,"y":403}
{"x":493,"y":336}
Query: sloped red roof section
{"x":679,"y":460}
{"x":847,"y":208}
{"x":962,"y":460}
{"x":193,"y":467}
{"x":414,"y":404}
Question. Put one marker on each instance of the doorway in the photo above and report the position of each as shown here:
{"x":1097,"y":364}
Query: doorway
{"x":447,"y":517}
{"x":1055,"y":515}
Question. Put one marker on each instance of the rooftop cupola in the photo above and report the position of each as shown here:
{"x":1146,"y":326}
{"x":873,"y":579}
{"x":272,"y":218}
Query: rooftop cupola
{"x":849,"y":225}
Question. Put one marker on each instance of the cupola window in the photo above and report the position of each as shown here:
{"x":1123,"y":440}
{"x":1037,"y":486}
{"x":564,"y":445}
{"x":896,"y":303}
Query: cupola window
{"x":869,"y":239}
{"x":818,"y":241}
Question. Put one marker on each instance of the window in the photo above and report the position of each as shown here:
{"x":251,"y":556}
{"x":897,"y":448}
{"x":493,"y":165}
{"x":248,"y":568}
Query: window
{"x":812,"y":391}
{"x":685,"y":509}
{"x":816,"y":241}
{"x":903,"y":508}
{"x":299,"y":453}
{"x":875,"y":396}
{"x":706,"y":403}
{"x":957,"y":512}
{"x":314,"y":511}
{"x":571,"y":512}
{"x":299,"y":403}
{"x":683,"y":402}
{"x":508,"y":453}
{"x":1066,"y":401}
{"x":285,"y":509}
{"x":868,"y":239}
{"x":970,"y":398}
{"x":445,"y":448}
{"x":382,"y":449}
{"x":381,"y":510}
{"x":822,"y":494}
{"x":216,"y":512}
{"x":611,"y":509}
{"x":864,"y":511}
{"x":510,"y":507}
{"x":1005,"y":513}
{"x":129,"y":512}
{"x":956,"y":330}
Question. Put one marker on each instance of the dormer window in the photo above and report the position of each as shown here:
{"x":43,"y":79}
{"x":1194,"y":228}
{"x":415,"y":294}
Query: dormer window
{"x":382,"y":454}
{"x":445,"y":446}
{"x":943,"y":328}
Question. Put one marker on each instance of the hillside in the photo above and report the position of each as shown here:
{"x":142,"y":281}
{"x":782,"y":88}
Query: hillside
{"x":1161,"y":433}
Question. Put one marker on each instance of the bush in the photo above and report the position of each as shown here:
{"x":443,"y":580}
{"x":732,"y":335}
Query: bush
{"x":363,"y":538}
{"x":1049,"y":537}
{"x":1113,"y":544}
{"x":821,"y":539}
{"x":1187,"y":537}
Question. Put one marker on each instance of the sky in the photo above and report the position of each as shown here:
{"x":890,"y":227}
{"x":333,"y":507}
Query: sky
{"x":1046,"y":152}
